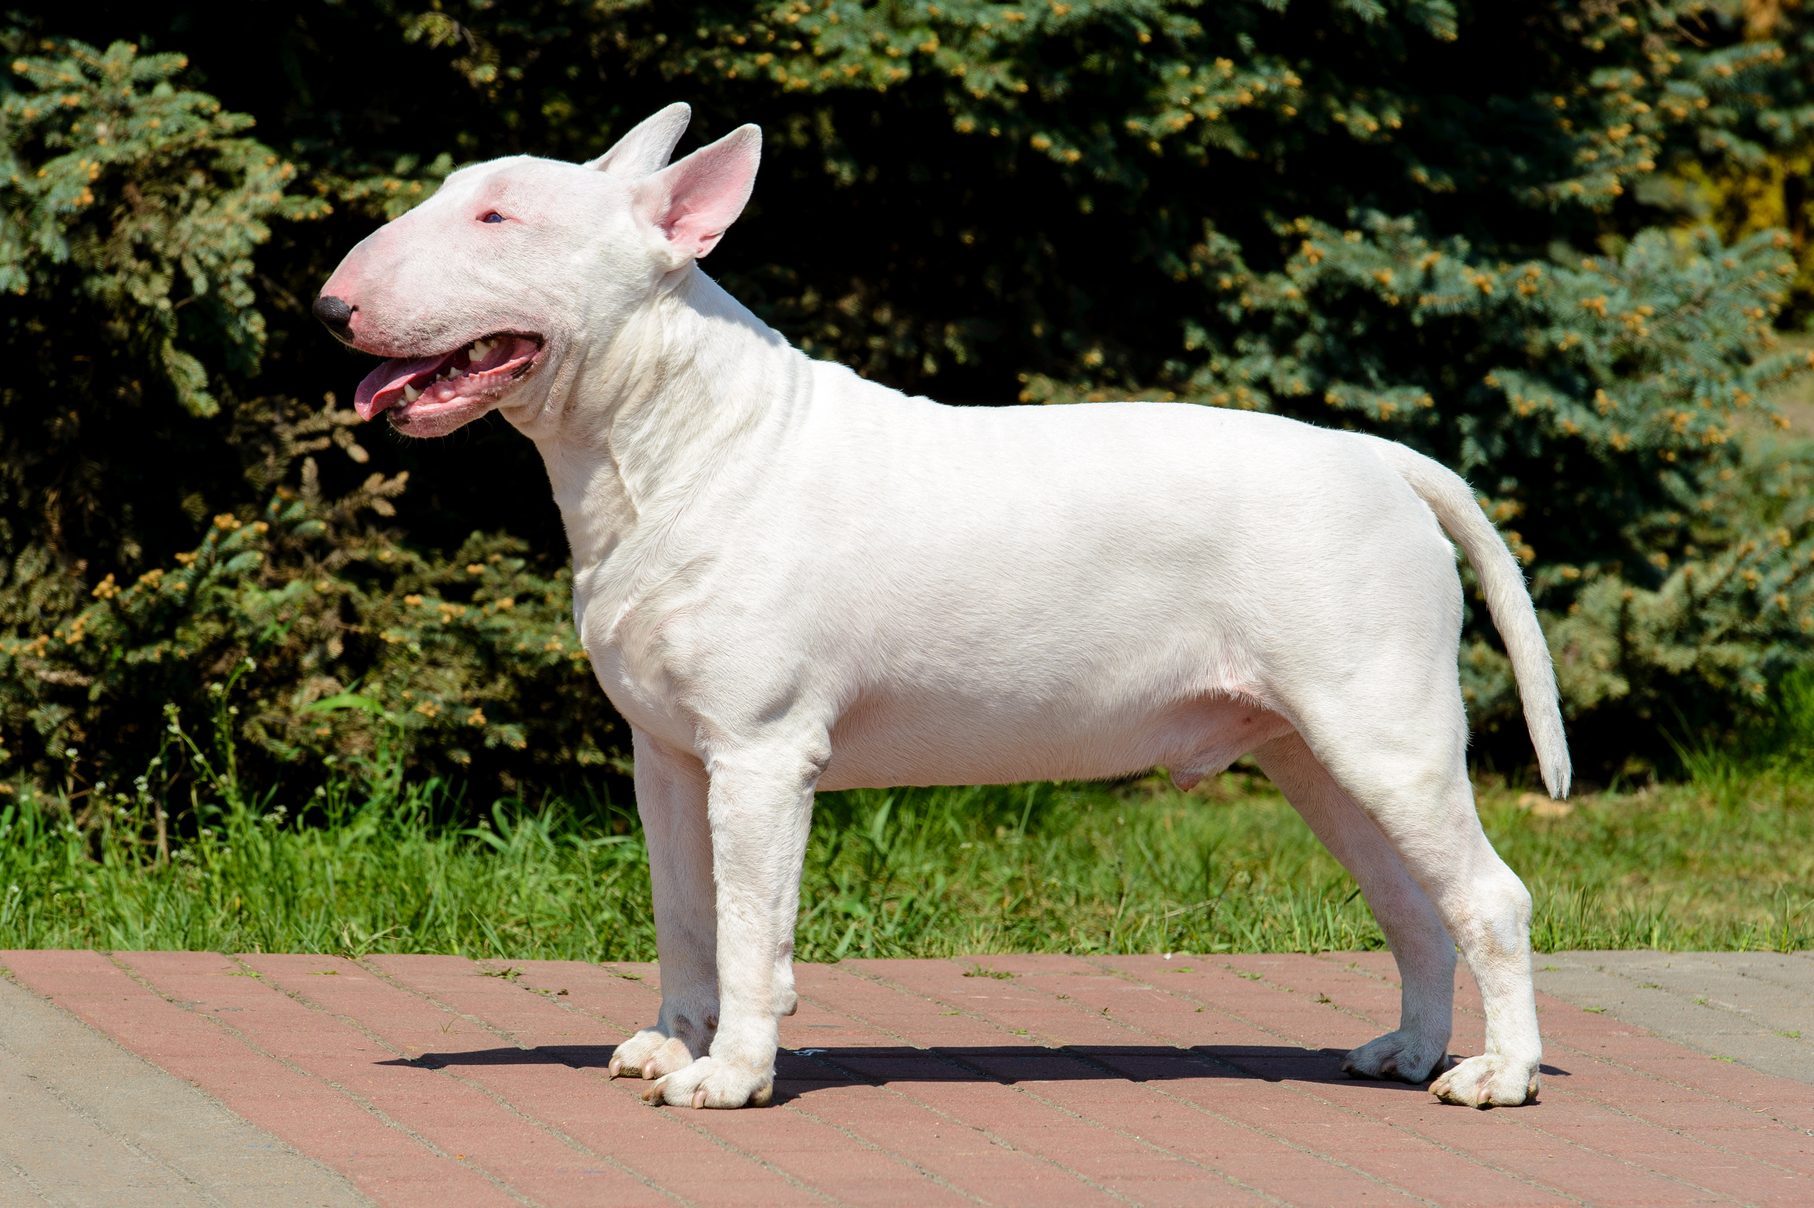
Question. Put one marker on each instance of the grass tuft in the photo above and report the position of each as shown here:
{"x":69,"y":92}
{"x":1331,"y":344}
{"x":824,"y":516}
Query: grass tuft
{"x":373,"y":864}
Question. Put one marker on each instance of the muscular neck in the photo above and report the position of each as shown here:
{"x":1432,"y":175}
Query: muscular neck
{"x":659,"y":412}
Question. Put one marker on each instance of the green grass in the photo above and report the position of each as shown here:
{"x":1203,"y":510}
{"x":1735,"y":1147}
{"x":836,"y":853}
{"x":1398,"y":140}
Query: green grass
{"x":1725,"y":861}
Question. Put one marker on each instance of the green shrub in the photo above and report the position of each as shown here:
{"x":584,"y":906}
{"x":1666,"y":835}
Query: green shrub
{"x":132,"y":209}
{"x":314,"y":636}
{"x":138,"y":205}
{"x":1459,"y":225}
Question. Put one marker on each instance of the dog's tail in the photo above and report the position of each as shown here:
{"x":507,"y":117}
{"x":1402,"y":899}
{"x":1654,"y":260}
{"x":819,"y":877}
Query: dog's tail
{"x":1506,"y":598}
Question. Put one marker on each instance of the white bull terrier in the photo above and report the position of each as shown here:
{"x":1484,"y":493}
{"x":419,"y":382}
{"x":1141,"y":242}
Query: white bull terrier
{"x":788,"y":579}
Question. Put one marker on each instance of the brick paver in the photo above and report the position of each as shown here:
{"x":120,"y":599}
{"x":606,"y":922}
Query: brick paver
{"x":1005,"y":1079}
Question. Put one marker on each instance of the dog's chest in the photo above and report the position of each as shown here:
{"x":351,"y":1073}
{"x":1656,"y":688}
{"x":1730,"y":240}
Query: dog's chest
{"x":642,"y":698}
{"x":629,"y":647}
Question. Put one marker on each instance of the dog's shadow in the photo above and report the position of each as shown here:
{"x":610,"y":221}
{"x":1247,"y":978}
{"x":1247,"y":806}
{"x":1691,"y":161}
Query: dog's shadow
{"x":799,"y":1072}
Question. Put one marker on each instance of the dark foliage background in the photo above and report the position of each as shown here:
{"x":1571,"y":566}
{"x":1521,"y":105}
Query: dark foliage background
{"x":1551,"y":245}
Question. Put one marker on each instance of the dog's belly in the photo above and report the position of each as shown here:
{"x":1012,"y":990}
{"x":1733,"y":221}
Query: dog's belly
{"x":888,"y":741}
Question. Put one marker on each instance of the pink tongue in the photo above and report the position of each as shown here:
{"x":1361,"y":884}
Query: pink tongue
{"x":383,"y":386}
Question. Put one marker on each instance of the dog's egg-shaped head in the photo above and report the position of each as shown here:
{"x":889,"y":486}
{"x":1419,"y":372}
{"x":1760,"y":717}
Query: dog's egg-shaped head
{"x":479,"y":297}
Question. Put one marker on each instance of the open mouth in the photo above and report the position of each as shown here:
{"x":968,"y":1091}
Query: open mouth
{"x":471,"y":374}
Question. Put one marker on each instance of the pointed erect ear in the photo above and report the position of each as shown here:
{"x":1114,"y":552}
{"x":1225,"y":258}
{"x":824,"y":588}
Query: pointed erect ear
{"x":690,"y":202}
{"x":646,"y":148}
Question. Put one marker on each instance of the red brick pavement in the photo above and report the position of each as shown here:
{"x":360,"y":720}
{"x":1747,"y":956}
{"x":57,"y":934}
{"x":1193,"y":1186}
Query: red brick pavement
{"x":1005,"y":1079}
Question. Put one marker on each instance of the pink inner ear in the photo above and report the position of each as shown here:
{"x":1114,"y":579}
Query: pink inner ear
{"x":694,"y":201}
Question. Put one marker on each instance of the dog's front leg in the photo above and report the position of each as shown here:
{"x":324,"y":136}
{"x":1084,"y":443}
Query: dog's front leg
{"x":759,"y":803}
{"x":671,"y":798}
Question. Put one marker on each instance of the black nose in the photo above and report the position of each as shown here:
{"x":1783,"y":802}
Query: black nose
{"x":334,"y":312}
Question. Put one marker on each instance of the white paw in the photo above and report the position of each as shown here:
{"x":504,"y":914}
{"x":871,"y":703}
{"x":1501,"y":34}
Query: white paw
{"x":710,"y":1082}
{"x":1488,"y":1081}
{"x":1404,"y":1056}
{"x":650,"y":1054}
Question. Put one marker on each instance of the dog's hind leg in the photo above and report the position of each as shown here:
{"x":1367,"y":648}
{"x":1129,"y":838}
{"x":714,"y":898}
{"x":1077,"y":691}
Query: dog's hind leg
{"x":1425,"y":953}
{"x":1401,"y":758}
{"x":671,"y":799}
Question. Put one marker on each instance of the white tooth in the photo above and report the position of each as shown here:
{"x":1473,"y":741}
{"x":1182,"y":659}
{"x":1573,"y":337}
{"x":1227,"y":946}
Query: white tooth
{"x":411,"y":394}
{"x":480,"y":350}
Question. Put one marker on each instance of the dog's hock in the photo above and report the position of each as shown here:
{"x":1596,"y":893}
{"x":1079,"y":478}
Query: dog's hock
{"x":689,"y":204}
{"x":646,"y":148}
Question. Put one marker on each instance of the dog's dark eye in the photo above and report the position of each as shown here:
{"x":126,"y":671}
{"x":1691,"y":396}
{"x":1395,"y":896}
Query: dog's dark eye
{"x":491,"y":216}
